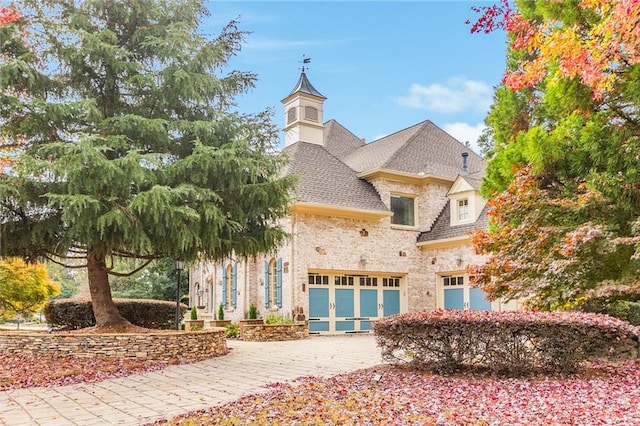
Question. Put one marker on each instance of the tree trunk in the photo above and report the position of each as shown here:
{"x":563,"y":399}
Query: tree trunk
{"x":104,"y":309}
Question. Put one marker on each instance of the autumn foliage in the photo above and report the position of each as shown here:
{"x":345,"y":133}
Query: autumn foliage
{"x":8,"y":15}
{"x":24,"y":288}
{"x":513,"y":343}
{"x":563,"y":146}
{"x":591,"y":43}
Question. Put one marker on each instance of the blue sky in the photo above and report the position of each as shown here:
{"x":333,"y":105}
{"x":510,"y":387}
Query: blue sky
{"x":383,"y":65}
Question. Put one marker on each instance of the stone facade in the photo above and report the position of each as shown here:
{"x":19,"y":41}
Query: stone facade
{"x":193,"y":346}
{"x":346,"y":264}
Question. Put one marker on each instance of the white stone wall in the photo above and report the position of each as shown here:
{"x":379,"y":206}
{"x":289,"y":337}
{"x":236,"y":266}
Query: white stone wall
{"x":430,"y":199}
{"x":337,"y":245}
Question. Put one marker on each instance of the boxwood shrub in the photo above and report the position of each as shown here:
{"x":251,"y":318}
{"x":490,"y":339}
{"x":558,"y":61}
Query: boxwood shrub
{"x":510,"y":343}
{"x":73,"y":314}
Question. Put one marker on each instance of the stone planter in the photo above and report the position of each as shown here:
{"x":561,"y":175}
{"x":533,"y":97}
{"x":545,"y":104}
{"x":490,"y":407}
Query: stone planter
{"x":251,"y":322}
{"x":193,"y":324}
{"x":219,"y":323}
{"x":257,"y":331}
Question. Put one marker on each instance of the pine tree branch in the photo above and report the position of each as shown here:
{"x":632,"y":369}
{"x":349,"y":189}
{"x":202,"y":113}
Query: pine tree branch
{"x":128,"y":274}
{"x":52,"y":260}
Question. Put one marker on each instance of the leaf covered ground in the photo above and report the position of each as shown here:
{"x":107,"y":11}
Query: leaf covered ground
{"x":30,"y":370}
{"x":603,"y":395}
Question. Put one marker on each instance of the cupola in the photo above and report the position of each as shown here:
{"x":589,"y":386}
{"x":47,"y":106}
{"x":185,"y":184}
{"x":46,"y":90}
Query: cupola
{"x":303,"y":113}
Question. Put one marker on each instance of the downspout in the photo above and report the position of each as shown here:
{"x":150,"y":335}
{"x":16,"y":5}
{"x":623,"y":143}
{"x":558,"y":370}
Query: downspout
{"x":291,"y":267}
{"x":245,"y":298}
{"x":214,"y":306}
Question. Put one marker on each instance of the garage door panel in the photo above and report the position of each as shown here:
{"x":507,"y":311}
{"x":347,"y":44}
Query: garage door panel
{"x":318,"y":326}
{"x":454,"y":298}
{"x":345,"y":325}
{"x":344,"y":302}
{"x":391,"y":302}
{"x":318,"y":302}
{"x":478,"y":300}
{"x":369,"y":303}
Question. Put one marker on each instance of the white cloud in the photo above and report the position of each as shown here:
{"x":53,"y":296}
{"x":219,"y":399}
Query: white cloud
{"x":465,"y":133}
{"x":455,"y":95}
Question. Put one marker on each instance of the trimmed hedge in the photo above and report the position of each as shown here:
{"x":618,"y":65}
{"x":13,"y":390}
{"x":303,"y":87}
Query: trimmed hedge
{"x":510,"y":343}
{"x":623,"y":309}
{"x":78,"y":313}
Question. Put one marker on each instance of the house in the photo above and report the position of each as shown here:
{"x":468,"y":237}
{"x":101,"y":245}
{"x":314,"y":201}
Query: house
{"x":376,"y":228}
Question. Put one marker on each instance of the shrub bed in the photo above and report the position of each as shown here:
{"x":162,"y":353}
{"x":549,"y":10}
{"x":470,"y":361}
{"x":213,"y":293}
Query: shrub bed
{"x":511,"y":343}
{"x":73,"y":314}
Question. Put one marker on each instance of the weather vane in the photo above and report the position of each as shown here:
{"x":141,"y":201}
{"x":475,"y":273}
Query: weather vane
{"x":305,"y":61}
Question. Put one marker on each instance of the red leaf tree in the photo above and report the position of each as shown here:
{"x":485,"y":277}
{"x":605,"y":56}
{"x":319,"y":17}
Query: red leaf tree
{"x":563,"y":140}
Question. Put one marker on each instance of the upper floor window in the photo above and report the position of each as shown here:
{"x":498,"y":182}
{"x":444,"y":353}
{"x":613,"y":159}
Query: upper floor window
{"x":403,"y":210}
{"x":463,"y":209}
{"x":291,"y":115}
{"x":311,"y":113}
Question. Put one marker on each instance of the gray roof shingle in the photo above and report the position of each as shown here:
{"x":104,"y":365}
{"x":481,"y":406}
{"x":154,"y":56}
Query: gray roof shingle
{"x":442,"y":228}
{"x":339,"y":141}
{"x":423,"y":148}
{"x":324,"y":179}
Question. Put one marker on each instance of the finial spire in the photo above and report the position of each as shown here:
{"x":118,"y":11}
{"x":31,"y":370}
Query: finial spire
{"x":305,"y":61}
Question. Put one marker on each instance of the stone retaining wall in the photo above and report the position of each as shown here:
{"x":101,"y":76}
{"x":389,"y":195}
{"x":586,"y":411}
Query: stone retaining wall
{"x":165,"y":346}
{"x":260,"y":332}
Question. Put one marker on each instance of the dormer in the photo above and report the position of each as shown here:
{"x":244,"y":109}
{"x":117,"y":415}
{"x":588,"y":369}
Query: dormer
{"x":466,"y":201}
{"x":303,"y":113}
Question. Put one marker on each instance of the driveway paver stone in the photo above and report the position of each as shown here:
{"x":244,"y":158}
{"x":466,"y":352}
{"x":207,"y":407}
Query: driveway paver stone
{"x":248,"y":368}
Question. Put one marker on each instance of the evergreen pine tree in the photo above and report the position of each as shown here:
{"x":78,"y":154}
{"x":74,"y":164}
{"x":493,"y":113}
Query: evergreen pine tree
{"x":124,"y":142}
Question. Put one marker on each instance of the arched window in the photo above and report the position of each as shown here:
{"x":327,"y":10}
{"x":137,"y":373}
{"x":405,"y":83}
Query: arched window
{"x":230,"y":285}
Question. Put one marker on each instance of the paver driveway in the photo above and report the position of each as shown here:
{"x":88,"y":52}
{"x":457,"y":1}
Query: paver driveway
{"x":177,"y":389}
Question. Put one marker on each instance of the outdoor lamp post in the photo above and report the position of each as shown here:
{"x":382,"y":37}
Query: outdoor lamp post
{"x":179,"y":268}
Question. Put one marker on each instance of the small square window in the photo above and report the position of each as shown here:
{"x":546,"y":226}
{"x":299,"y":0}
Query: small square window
{"x":463,"y":209}
{"x":403,"y":211}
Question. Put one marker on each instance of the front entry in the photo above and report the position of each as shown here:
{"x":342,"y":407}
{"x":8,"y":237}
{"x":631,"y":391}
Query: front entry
{"x":349,"y":303}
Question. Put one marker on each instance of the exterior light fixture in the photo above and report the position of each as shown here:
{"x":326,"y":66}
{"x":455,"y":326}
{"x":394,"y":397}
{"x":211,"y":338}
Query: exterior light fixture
{"x":179,"y":269}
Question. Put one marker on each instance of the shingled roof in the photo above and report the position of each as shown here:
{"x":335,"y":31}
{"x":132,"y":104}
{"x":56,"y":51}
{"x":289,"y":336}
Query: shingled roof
{"x":442,"y":228}
{"x":324,"y":179}
{"x":339,"y":141}
{"x":423,"y":148}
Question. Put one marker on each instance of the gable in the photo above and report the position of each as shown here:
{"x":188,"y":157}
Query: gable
{"x":460,"y":185}
{"x":421,"y":149}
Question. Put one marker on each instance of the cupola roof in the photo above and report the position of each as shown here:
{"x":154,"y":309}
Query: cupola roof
{"x":304,"y":86}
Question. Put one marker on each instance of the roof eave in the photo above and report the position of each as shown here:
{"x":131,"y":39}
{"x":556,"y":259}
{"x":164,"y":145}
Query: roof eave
{"x":445,"y":242}
{"x":415,"y":178}
{"x":339,"y":211}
